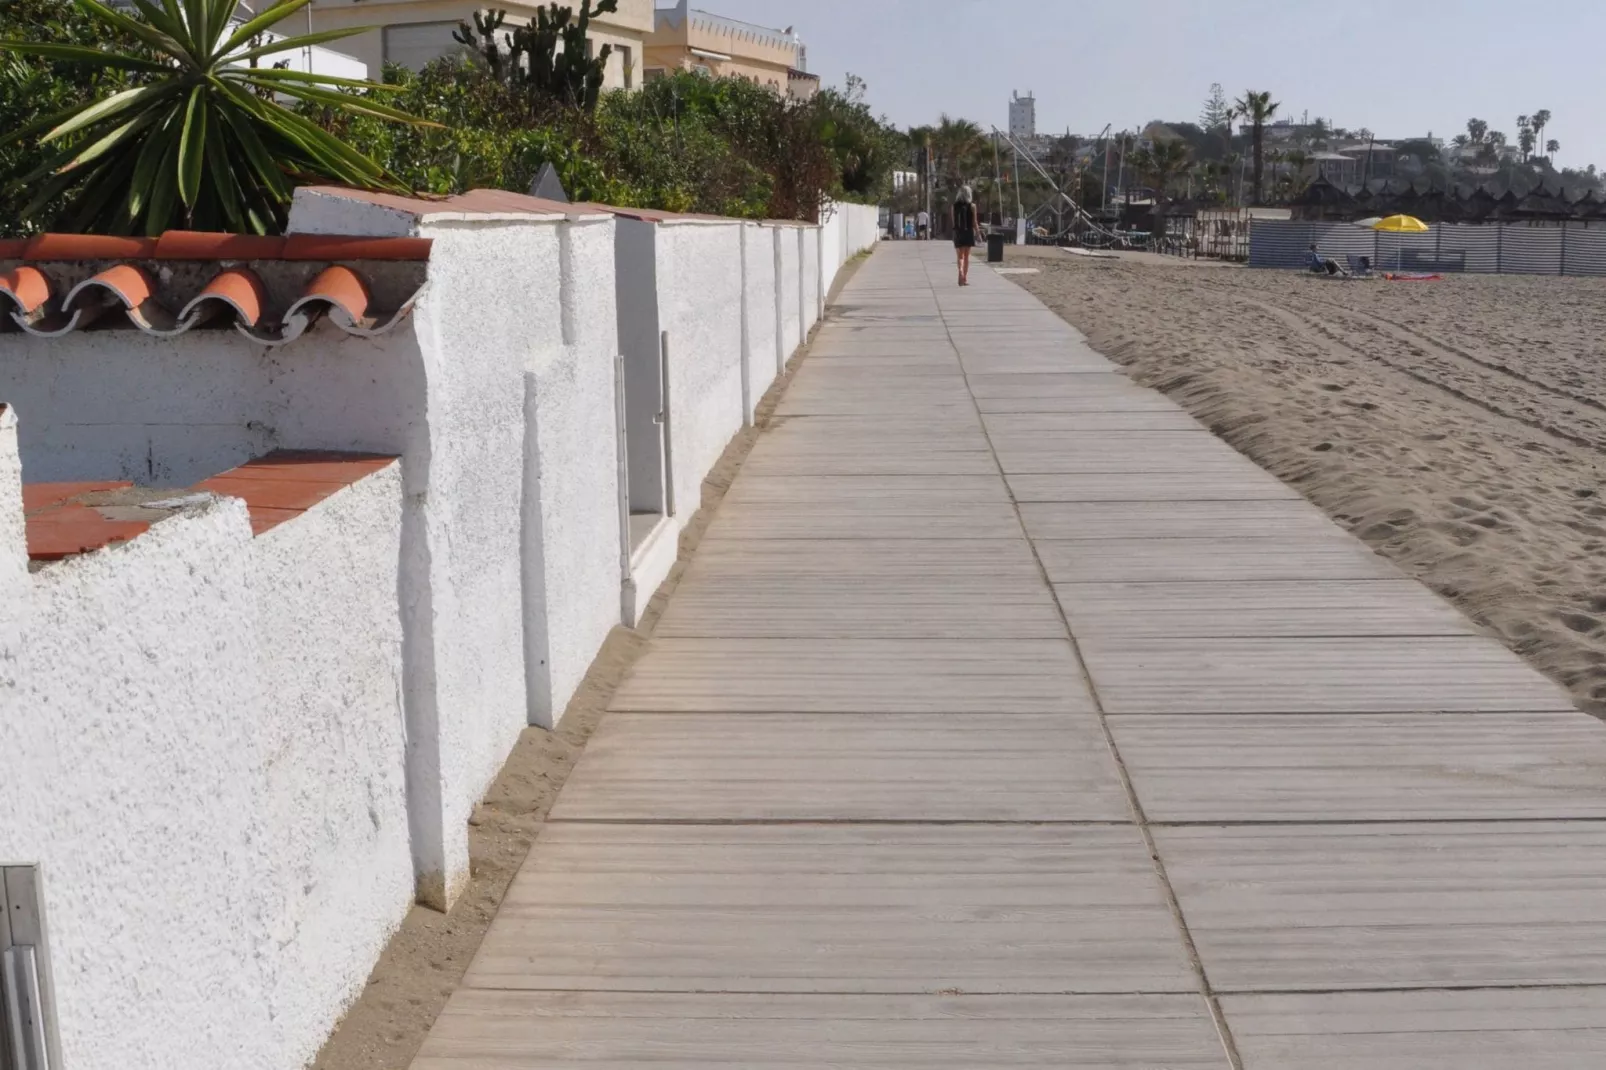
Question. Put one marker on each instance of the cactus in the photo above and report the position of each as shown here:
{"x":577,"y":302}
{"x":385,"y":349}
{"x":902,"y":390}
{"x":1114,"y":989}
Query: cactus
{"x":533,"y":65}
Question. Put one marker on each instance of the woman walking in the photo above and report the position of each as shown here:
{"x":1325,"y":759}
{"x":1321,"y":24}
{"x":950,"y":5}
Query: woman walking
{"x":965,"y":229}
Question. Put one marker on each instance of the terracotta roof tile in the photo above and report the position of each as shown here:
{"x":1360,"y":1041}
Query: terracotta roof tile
{"x":238,"y":289}
{"x":282,"y":485}
{"x":205,"y":245}
{"x":88,"y":247}
{"x":27,"y":287}
{"x":74,"y":529}
{"x":128,"y":293}
{"x":63,"y":519}
{"x":338,"y":247}
{"x":478,"y":201}
{"x":40,"y":496}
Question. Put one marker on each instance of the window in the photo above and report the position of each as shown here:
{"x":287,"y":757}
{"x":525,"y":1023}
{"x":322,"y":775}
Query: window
{"x":414,"y":45}
{"x":652,"y":74}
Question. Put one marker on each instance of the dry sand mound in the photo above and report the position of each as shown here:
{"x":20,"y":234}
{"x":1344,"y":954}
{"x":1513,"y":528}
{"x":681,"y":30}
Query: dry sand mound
{"x":1459,"y":427}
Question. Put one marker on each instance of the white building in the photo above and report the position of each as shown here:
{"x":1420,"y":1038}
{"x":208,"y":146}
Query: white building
{"x":1022,"y":116}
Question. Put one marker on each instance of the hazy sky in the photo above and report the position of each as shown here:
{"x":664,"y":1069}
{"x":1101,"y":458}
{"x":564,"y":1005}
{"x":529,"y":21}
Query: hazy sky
{"x":1397,"y":68}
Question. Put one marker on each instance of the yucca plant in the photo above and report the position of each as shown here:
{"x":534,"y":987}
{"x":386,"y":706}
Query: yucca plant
{"x":202,"y":141}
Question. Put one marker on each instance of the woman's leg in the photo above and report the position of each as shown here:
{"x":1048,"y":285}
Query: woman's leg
{"x":959,"y":257}
{"x":964,"y":265}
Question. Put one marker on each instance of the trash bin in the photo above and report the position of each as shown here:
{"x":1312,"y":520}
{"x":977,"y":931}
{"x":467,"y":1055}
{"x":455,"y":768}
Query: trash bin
{"x":995,"y":247}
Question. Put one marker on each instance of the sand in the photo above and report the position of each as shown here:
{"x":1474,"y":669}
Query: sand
{"x":1458,"y":427}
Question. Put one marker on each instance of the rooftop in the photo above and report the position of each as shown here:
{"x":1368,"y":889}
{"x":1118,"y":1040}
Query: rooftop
{"x":674,"y":17}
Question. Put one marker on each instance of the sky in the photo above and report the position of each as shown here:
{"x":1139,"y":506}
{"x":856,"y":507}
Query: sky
{"x":1397,"y":68}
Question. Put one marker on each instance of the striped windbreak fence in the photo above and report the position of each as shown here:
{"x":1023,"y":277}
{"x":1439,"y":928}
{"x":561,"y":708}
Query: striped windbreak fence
{"x":1571,"y":248}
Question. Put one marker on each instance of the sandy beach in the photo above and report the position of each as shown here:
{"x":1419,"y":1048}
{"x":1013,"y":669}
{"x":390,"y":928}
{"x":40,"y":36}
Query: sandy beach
{"x":1459,"y":427}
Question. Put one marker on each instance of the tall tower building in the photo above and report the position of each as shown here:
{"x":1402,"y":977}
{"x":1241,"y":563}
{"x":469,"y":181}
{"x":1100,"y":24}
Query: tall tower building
{"x":1022,"y":116}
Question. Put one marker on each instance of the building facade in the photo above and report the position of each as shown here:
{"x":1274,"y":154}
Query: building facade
{"x":411,"y":33}
{"x":685,"y":38}
{"x":1022,"y":116}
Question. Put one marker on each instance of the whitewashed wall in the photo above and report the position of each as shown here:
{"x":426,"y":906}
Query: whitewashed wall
{"x":809,"y":271}
{"x":331,"y":744}
{"x":790,"y":276}
{"x":700,"y":303}
{"x":214,"y":787}
{"x":760,"y":365}
{"x":571,"y":491}
{"x":281,"y":739}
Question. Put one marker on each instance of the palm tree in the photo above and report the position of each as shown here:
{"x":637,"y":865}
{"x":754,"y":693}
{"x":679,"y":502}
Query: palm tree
{"x":1540,"y":120}
{"x":1476,"y":128}
{"x":1551,"y":148}
{"x":1526,"y":138}
{"x":958,"y":147}
{"x":1298,"y":159}
{"x":203,"y":142}
{"x":1258,"y":108}
{"x":1161,"y":165}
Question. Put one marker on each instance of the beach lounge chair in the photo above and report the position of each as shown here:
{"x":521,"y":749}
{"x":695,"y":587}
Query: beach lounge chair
{"x":1360,"y":266}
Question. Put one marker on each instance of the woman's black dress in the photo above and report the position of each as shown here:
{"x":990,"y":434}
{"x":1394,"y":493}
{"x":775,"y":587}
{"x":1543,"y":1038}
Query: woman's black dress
{"x":964,"y":225}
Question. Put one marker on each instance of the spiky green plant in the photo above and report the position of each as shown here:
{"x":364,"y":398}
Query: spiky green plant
{"x":201,"y":141}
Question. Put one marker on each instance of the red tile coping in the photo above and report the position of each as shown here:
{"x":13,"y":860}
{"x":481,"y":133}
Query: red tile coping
{"x":277,"y":487}
{"x":475,"y":201}
{"x":282,"y":485}
{"x":66,"y":529}
{"x":39,"y":496}
{"x":204,"y":245}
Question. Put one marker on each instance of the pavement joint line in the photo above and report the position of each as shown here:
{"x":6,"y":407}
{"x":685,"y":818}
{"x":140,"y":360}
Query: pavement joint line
{"x":1196,"y":963}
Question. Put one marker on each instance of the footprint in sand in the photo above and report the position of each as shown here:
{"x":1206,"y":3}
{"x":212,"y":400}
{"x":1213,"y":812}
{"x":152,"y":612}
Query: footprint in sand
{"x":1581,"y":623}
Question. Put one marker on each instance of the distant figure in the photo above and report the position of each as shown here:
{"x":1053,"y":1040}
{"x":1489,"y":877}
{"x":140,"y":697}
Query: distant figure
{"x":1320,"y":264}
{"x":966,"y":226}
{"x":923,"y":225}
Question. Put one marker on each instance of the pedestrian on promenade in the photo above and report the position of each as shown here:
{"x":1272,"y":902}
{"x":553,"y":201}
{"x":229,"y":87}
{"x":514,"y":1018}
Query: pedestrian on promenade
{"x":923,"y":225}
{"x":965,"y":230}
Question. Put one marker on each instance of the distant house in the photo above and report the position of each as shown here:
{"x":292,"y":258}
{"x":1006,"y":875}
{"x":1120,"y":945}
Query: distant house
{"x":686,"y":38}
{"x":1337,"y":168}
{"x":411,"y":33}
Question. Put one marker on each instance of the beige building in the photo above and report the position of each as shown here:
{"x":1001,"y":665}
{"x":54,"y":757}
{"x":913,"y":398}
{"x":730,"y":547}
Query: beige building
{"x":684,"y":38}
{"x":413,"y":32}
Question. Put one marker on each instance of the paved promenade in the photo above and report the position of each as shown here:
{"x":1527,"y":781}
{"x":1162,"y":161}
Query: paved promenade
{"x":1006,"y":718}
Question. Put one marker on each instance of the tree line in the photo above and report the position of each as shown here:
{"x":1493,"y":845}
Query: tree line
{"x":179,"y":115}
{"x":1236,"y":152}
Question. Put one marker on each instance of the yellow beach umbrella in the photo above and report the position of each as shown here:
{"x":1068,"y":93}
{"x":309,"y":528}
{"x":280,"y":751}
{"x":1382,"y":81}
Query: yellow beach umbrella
{"x":1401,"y":224}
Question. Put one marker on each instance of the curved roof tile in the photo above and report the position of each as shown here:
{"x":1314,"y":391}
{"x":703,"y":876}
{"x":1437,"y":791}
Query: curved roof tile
{"x":130,"y":292}
{"x":27,"y":288}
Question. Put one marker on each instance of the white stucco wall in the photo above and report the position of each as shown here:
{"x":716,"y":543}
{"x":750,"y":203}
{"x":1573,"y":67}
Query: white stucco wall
{"x":700,"y":300}
{"x":213,"y":780}
{"x":332,"y":742}
{"x":571,"y":490}
{"x":833,"y":242}
{"x":142,"y":797}
{"x":791,"y":288}
{"x":810,"y":273}
{"x":279,"y":740}
{"x":758,"y":311}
